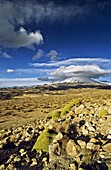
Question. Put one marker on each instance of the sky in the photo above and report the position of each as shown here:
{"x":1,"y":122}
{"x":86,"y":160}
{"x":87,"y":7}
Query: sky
{"x":45,"y":41}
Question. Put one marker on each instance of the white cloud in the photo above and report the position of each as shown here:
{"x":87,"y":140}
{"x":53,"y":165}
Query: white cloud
{"x":33,"y":71}
{"x":11,"y":16}
{"x":38,"y":55}
{"x":16,"y":13}
{"x":20,"y":82}
{"x":75,"y":61}
{"x":10,"y":70}
{"x":83,"y":72}
{"x":51,"y":11}
{"x":21,"y":39}
{"x":53,"y":54}
{"x":5,"y":55}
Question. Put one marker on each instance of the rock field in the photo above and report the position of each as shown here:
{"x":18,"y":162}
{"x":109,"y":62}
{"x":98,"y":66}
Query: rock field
{"x":75,"y":136}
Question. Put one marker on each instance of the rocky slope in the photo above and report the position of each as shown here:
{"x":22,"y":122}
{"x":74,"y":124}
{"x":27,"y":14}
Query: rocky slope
{"x":74,"y":137}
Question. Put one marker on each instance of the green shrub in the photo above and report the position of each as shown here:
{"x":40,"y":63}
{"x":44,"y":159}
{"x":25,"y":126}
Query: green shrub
{"x":76,"y":102}
{"x":43,"y":141}
{"x":63,"y":112}
{"x":102,"y":113}
{"x":56,"y":115}
{"x":67,"y":108}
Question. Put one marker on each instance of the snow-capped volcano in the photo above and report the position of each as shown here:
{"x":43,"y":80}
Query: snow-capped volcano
{"x":78,"y":79}
{"x":74,"y":74}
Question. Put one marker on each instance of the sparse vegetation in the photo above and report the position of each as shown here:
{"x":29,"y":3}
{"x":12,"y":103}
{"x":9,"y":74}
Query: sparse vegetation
{"x":56,"y":115}
{"x":74,"y":133}
{"x":67,"y":108}
{"x":43,"y":141}
{"x":103,"y":113}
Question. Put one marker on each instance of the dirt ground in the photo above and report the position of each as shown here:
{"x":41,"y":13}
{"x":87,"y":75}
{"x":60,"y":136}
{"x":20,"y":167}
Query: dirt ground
{"x":23,"y":109}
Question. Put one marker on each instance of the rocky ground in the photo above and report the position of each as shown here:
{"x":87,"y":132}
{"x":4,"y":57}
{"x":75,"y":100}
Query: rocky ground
{"x":75,"y":135}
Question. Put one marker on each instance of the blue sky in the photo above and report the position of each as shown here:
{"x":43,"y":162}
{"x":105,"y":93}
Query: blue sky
{"x":38,"y":39}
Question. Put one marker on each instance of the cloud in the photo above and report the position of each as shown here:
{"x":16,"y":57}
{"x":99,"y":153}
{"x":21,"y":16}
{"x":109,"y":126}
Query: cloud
{"x":38,"y":55}
{"x":102,"y":62}
{"x":11,"y":16}
{"x":33,"y":71}
{"x":77,"y":69}
{"x":19,"y":82}
{"x":5,"y":55}
{"x":10,"y":70}
{"x":21,"y":39}
{"x":86,"y":72}
{"x":51,"y":11}
{"x":53,"y":54}
{"x":16,"y":14}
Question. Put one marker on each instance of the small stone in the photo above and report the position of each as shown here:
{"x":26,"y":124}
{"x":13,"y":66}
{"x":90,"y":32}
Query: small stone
{"x":107,"y":147}
{"x":81,"y":143}
{"x":21,"y":151}
{"x":41,"y":126}
{"x":71,"y":149}
{"x":58,"y":137}
{"x":10,"y":167}
{"x":109,"y":137}
{"x":73,"y":167}
{"x":54,"y":149}
{"x":28,"y":138}
{"x":1,"y":146}
{"x":27,"y":159}
{"x":2,"y":167}
{"x":44,"y":159}
{"x":102,"y":155}
{"x":90,"y":146}
{"x":96,"y":147}
{"x":17,"y":159}
{"x":34,"y":162}
{"x":81,"y":115}
{"x":90,"y":128}
{"x":78,"y":159}
{"x":84,"y":131}
{"x":10,"y":159}
{"x":79,"y":109}
{"x":12,"y":138}
{"x":93,"y":140}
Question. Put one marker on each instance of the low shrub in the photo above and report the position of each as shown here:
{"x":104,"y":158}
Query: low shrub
{"x":43,"y":141}
{"x":102,"y":113}
{"x":56,"y":115}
